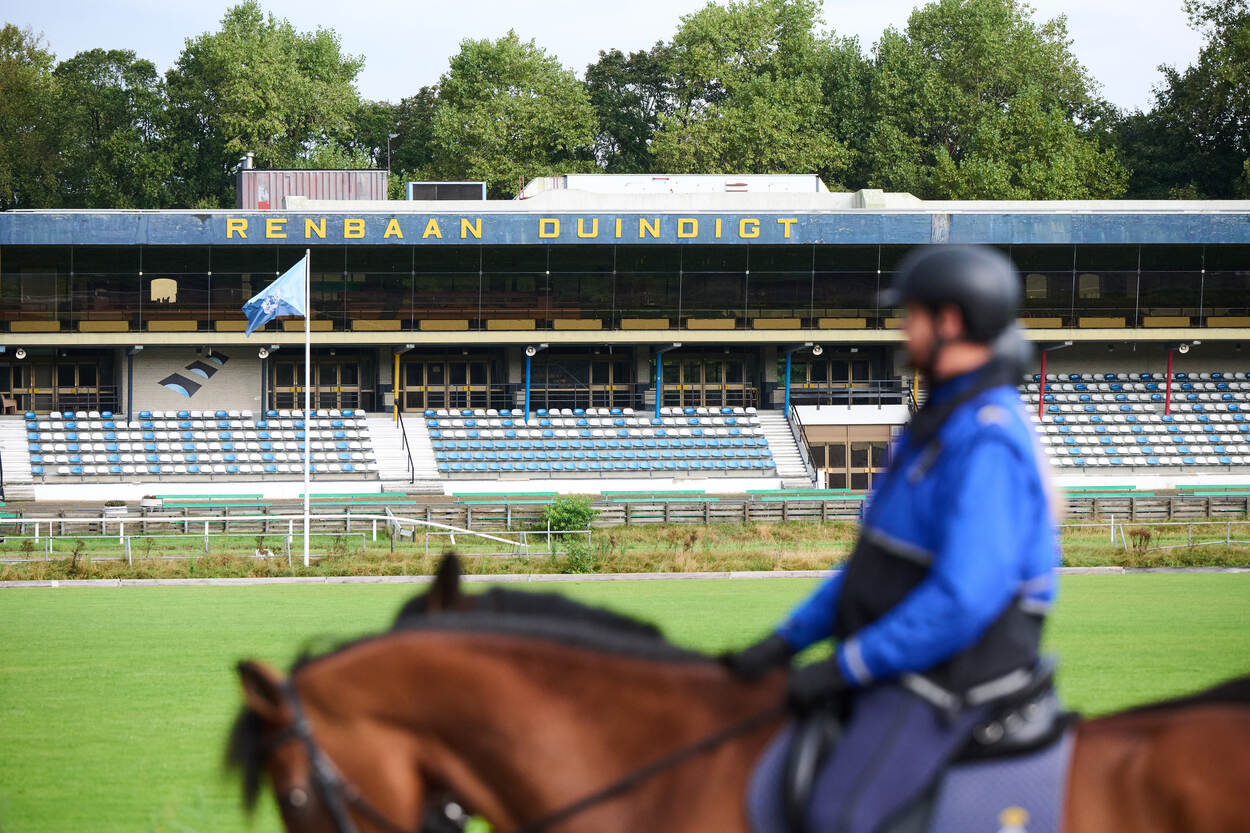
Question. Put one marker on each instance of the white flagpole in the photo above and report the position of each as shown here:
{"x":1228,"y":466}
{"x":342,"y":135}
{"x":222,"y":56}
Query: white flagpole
{"x":307,"y":390}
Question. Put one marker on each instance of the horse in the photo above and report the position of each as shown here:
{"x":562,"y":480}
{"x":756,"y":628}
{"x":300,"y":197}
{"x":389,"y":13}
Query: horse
{"x":544,"y":716}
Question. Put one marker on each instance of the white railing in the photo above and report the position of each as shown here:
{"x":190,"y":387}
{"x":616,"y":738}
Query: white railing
{"x":44,"y":534}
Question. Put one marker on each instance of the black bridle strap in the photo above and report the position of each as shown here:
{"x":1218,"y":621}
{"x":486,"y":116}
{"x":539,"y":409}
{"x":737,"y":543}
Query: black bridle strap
{"x":647,"y":771}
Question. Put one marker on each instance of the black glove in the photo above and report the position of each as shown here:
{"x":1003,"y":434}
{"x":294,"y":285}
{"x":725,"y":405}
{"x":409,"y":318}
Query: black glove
{"x":757,"y":660}
{"x":815,"y":685}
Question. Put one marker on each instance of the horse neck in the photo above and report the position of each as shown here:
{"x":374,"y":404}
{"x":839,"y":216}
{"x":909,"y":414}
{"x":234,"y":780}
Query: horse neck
{"x":518,"y":728}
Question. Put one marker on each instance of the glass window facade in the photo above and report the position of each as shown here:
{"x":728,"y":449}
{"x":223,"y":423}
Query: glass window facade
{"x":562,"y":286}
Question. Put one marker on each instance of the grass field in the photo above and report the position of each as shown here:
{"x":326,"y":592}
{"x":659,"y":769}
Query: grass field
{"x":114,"y":702}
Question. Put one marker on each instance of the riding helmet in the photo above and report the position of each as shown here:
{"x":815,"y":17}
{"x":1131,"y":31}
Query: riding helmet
{"x":981,"y":281}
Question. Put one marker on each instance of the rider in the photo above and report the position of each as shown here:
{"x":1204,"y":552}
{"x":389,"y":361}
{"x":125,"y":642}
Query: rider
{"x":940,"y":607}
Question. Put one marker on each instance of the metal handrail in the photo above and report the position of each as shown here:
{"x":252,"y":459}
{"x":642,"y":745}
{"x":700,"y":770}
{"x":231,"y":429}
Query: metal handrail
{"x":403,"y":433}
{"x":800,"y":439}
{"x":876,"y":392}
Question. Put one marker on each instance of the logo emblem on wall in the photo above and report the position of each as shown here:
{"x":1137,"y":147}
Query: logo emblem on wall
{"x":205,"y":368}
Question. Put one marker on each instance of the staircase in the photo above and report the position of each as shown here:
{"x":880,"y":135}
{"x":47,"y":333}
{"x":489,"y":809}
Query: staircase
{"x":388,"y":442}
{"x":15,"y":455}
{"x":785,"y":450}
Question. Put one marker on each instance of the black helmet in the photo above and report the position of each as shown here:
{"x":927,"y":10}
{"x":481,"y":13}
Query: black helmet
{"x":981,"y":281}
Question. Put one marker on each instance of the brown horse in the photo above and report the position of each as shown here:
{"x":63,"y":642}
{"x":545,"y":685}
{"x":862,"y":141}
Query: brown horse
{"x":500,"y":703}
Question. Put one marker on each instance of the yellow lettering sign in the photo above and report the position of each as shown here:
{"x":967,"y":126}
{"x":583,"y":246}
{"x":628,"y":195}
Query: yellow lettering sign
{"x":432,"y":230}
{"x":618,"y":228}
{"x":274,"y":227}
{"x":645,"y":228}
{"x":594,"y":227}
{"x":467,"y":228}
{"x":718,"y":228}
{"x":234,"y":224}
{"x":688,"y":227}
{"x":549,"y":227}
{"x":354,"y":228}
{"x":748,"y":223}
{"x":393,"y":230}
{"x":312,"y":227}
{"x":786,"y":222}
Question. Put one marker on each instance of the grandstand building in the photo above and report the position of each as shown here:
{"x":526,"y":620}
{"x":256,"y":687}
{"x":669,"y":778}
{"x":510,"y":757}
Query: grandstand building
{"x":586,"y":300}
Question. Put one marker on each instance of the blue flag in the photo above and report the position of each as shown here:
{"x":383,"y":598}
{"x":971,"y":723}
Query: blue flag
{"x":285,"y":296}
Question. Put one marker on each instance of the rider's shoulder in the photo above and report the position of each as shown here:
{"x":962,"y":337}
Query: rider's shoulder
{"x":994,"y":414}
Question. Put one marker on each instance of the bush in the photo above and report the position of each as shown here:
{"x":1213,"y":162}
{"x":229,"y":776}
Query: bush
{"x":566,"y":514}
{"x":578,"y":557}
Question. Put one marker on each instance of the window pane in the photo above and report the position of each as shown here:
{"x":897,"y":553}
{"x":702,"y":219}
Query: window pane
{"x":837,"y":456}
{"x":457,"y":373}
{"x":349,"y":374}
{"x":859,"y":481}
{"x":87,"y":375}
{"x":880,"y":452}
{"x":65,"y":376}
{"x":859,"y":455}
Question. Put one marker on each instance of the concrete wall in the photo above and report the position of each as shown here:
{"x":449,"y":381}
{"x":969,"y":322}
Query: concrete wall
{"x":228,"y":378}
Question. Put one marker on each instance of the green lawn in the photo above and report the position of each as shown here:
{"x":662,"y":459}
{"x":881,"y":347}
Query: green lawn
{"x":114,"y":702}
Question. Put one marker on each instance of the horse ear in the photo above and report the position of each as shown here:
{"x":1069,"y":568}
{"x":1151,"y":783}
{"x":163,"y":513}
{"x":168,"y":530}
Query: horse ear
{"x":445,"y":592}
{"x":262,"y":689}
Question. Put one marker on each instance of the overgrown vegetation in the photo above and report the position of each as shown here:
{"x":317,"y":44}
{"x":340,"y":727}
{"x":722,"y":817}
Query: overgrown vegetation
{"x":673,"y":548}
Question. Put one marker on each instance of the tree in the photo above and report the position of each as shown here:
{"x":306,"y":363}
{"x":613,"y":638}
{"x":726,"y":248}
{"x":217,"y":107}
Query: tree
{"x":748,"y":93}
{"x":629,"y":93}
{"x":27,"y":102}
{"x":257,"y":85}
{"x":1195,"y":141}
{"x":506,"y":110}
{"x":109,"y":106}
{"x":412,"y":151}
{"x":976,"y":101}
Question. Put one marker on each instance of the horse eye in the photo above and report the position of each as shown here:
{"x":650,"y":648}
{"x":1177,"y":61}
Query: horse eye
{"x":297,"y":797}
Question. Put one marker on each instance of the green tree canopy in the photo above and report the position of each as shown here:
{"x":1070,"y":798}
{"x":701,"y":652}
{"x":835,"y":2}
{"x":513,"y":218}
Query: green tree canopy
{"x":506,"y":110}
{"x":27,"y":103}
{"x":748,"y":93}
{"x":108,"y":122}
{"x":974,"y":100}
{"x":629,"y":94}
{"x":257,"y":85}
{"x":1195,"y":141}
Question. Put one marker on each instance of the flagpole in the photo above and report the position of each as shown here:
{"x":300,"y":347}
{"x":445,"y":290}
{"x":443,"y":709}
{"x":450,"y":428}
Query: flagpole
{"x":307,"y":390}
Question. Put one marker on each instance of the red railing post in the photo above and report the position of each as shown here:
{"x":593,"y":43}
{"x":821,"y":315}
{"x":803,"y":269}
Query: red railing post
{"x":1041,"y":391}
{"x":1167,"y":391}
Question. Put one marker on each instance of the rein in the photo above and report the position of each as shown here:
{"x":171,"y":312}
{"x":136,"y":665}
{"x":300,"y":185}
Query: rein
{"x":337,"y":793}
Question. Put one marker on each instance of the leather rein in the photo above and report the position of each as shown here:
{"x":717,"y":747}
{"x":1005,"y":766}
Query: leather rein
{"x":339,"y":795}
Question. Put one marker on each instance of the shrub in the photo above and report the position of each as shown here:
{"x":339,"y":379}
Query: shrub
{"x":568,"y":513}
{"x":578,"y":557}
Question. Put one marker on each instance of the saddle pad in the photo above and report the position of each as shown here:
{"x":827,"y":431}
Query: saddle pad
{"x":764,"y":808}
{"x":1023,"y":794}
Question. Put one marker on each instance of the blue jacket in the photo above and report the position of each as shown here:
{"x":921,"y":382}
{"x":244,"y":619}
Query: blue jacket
{"x":976,"y":520}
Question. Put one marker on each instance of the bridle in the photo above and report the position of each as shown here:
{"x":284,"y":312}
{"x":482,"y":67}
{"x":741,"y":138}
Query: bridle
{"x":338,"y":794}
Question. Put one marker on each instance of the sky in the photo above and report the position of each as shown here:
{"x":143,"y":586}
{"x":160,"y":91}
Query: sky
{"x":407,"y":43}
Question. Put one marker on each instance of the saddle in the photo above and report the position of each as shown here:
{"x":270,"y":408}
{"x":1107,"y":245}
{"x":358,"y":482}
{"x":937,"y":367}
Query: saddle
{"x":1027,"y":724}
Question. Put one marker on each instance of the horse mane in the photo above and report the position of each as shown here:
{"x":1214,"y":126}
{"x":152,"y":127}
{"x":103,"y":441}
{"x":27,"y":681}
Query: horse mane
{"x":1234,"y":692}
{"x":245,"y":751}
{"x":544,"y":605}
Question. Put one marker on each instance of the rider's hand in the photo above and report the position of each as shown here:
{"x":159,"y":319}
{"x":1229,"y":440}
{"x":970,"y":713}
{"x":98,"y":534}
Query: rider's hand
{"x":815,"y":685}
{"x":757,"y":660}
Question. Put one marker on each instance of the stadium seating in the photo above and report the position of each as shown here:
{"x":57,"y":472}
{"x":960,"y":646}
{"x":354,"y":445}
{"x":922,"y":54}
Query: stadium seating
{"x":599,"y":442}
{"x":1117,"y":420}
{"x":91,"y":445}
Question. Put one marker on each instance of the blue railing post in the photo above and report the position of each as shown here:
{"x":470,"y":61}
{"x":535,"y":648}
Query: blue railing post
{"x":659,"y":375}
{"x":789,"y":353}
